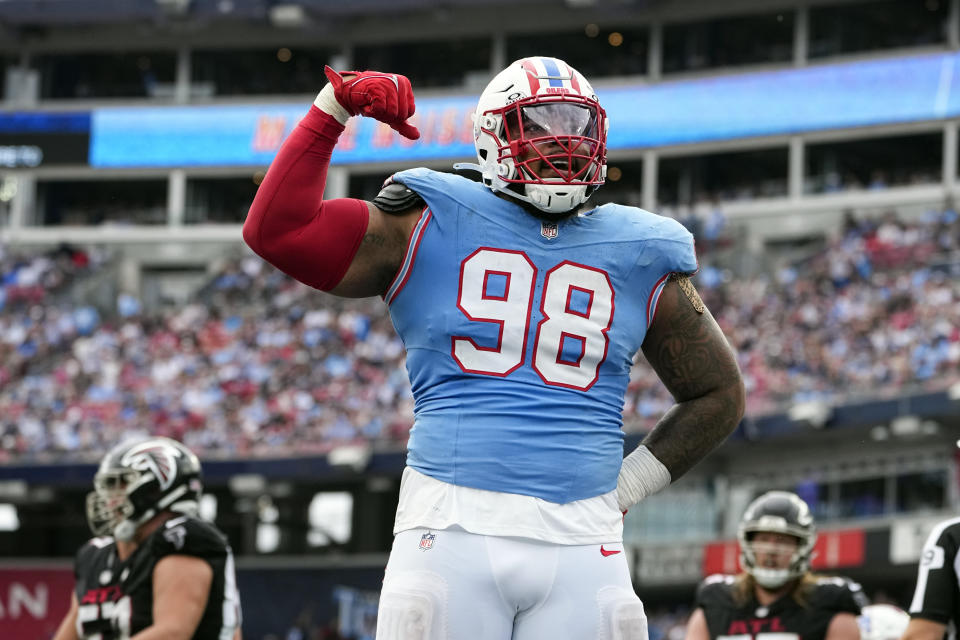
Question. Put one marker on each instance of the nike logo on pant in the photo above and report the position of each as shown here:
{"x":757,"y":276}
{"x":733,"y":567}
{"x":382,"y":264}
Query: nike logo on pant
{"x":605,"y":553}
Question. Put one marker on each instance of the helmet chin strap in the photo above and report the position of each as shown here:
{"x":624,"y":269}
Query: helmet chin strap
{"x":538,"y":199}
{"x":127,"y":529}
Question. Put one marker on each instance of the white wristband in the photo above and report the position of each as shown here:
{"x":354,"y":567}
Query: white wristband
{"x":327,"y":102}
{"x":640,"y":476}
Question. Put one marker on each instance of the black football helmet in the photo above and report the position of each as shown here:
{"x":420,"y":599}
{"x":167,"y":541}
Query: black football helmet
{"x":139,"y":479}
{"x":777,"y":512}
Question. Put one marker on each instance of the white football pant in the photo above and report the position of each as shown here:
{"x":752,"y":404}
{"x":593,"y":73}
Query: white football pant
{"x":454,"y":585}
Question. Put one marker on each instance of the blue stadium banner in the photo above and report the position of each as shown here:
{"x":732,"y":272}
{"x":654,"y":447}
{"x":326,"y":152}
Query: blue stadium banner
{"x":251,"y":135}
{"x":837,"y":96}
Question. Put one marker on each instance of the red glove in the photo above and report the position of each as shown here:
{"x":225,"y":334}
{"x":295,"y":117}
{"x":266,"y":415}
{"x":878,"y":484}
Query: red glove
{"x":387,"y":97}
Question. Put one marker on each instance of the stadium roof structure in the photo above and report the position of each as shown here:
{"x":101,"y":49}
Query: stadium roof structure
{"x":22,"y":13}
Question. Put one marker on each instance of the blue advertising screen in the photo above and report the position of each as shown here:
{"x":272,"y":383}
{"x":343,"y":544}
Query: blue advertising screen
{"x":251,"y":135}
{"x":20,"y":123}
{"x":675,"y":112}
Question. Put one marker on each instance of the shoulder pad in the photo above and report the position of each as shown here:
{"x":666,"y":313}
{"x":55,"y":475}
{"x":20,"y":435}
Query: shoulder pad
{"x":91,"y":549}
{"x":101,"y":542}
{"x":840,"y":594}
{"x":189,"y":536}
{"x":715,"y":591}
{"x":397,"y":198}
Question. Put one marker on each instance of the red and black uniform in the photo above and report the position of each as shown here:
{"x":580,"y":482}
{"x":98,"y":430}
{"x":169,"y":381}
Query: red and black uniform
{"x":115,"y":597}
{"x":785,"y":617}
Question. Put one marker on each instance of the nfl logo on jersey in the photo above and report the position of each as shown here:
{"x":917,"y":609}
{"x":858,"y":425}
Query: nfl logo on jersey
{"x":426,"y":541}
{"x":548,"y":230}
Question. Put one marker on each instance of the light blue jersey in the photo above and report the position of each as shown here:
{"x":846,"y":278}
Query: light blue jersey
{"x":520,"y":336}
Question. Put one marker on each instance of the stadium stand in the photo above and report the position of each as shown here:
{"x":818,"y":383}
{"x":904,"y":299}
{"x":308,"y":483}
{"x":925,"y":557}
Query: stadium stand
{"x":828,"y":238}
{"x":260,"y":365}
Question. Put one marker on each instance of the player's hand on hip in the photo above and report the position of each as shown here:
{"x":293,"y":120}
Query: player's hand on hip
{"x":387,"y":97}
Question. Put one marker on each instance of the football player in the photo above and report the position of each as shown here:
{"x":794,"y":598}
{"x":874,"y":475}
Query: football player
{"x":521,"y":308}
{"x":154,"y":570}
{"x":935,"y":609}
{"x":776,"y":596}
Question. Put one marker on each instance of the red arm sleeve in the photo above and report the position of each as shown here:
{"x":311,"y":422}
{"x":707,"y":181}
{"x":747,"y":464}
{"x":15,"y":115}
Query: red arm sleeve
{"x":290,"y":225}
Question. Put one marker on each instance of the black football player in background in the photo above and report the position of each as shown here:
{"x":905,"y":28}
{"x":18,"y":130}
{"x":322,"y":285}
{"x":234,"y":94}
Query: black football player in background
{"x":155,"y":570}
{"x":776,"y":597}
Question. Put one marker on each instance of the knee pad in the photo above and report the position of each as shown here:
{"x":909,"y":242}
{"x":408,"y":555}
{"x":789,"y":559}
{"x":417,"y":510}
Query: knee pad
{"x":413,"y":606}
{"x":622,"y":614}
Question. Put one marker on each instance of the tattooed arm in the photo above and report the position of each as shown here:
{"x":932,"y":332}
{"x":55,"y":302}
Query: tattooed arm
{"x":380,"y":254}
{"x":693,"y":359}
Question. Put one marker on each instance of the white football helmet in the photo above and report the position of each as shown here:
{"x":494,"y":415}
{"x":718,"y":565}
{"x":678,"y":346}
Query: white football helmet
{"x":541,"y":135}
{"x":882,"y":622}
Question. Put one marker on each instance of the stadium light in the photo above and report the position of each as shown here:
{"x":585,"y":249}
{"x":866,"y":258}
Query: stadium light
{"x":174,"y":7}
{"x":954,"y":392}
{"x":905,"y":426}
{"x":355,"y":457}
{"x":330,"y":515}
{"x":268,"y":538}
{"x":9,"y":519}
{"x":813,"y":413}
{"x":288,"y":16}
{"x":247,"y":484}
{"x":13,"y":489}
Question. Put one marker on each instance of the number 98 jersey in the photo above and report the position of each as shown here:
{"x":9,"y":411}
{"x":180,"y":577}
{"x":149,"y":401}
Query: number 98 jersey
{"x":520,"y":335}
{"x":115,"y":599}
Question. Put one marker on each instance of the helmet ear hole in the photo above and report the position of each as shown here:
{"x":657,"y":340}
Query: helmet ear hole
{"x":483,"y":154}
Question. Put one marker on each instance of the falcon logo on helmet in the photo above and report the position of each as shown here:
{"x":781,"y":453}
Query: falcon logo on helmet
{"x":541,"y":135}
{"x":157,"y":457}
{"x":137,"y":480}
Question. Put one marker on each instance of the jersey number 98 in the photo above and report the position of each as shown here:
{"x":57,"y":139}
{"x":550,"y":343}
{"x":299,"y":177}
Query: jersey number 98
{"x":570,"y":341}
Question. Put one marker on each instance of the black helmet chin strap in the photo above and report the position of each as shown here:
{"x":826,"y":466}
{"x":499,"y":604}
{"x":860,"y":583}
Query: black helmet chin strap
{"x":126,"y":529}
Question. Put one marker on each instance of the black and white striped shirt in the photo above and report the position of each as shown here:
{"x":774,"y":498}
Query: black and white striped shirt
{"x":937,"y":596}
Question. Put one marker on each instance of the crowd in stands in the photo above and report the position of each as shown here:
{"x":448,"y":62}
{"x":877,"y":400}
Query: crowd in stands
{"x":874,"y":313}
{"x":259,"y":365}
{"x":32,"y":279}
